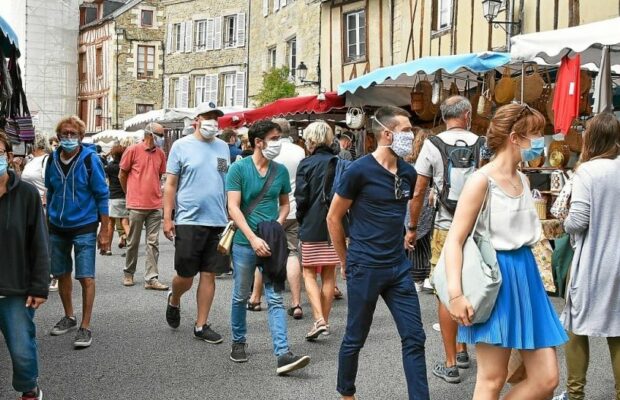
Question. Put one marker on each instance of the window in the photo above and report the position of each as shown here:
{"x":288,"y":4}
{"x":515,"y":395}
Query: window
{"x":356,"y":36}
{"x":84,"y":111}
{"x":82,"y":66}
{"x":146,"y":18}
{"x":271,"y":57}
{"x":229,"y":90}
{"x":199,"y":90}
{"x":143,"y":108}
{"x":177,"y":37}
{"x":230,"y":31}
{"x":175,"y":89}
{"x":98,"y":118}
{"x":442,"y":14}
{"x":146,"y":62}
{"x":99,"y":59}
{"x":87,"y":15}
{"x":201,"y":35}
{"x":291,"y":56}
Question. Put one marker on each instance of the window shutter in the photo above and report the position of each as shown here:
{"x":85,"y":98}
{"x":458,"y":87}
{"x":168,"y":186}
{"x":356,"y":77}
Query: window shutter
{"x":189,"y":30}
{"x":240,"y":90}
{"x":182,"y":41}
{"x":217,"y":33}
{"x":210,"y":33}
{"x":184,"y":92}
{"x":166,"y":101}
{"x":169,"y":40}
{"x":276,"y":5}
{"x":211,"y":88}
{"x":265,"y":8}
{"x":241,"y":30}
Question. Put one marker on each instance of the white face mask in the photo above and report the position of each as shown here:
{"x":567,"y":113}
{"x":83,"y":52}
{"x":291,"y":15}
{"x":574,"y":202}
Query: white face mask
{"x":209,"y":129}
{"x":402,"y":142}
{"x":273,"y":149}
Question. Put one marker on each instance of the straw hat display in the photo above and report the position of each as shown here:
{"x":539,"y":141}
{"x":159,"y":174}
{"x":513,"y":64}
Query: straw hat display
{"x":504,"y":88}
{"x":429,"y":110}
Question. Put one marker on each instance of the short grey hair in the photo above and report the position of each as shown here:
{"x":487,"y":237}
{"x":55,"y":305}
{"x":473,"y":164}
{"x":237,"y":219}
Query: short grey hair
{"x":319,"y":133}
{"x":285,"y":126}
{"x":41,"y":142}
{"x":454,"y":107}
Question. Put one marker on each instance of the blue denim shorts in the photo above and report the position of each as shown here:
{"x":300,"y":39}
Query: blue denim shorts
{"x":85,"y":249}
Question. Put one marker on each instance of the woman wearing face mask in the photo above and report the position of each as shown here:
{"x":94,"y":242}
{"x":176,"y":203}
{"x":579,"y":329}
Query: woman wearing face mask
{"x":523,"y":317}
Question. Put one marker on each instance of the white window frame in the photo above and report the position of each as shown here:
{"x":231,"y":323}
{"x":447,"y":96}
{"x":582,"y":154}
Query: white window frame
{"x":200,"y":90}
{"x":175,"y":97}
{"x":200,"y":43}
{"x":444,"y":14}
{"x":360,"y":40}
{"x":229,"y":86}
{"x":178,"y":38}
{"x":291,"y":56}
{"x":272,"y":57}
{"x":230,"y":38}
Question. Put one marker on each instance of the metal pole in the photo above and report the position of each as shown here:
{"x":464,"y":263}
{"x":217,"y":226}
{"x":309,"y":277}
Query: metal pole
{"x":510,"y":11}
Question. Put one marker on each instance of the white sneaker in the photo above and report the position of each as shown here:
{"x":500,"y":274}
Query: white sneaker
{"x":53,"y":285}
{"x":418,"y":286}
{"x":437,"y":327}
{"x":563,"y":396}
{"x":427,"y":284}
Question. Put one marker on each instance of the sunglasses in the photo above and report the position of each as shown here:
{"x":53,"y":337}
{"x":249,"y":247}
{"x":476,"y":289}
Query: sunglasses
{"x":398,"y":190}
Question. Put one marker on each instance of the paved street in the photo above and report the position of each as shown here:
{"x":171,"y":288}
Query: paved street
{"x":135,"y":355}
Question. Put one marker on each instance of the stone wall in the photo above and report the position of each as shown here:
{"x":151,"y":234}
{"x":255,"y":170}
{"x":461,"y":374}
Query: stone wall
{"x":294,"y":20}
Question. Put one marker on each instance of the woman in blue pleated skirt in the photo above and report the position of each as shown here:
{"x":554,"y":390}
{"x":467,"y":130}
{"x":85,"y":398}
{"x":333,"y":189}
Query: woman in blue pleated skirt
{"x":523,"y":318}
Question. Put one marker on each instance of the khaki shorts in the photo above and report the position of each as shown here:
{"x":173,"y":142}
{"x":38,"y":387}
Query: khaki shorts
{"x":437,"y":243}
{"x":291,"y":227}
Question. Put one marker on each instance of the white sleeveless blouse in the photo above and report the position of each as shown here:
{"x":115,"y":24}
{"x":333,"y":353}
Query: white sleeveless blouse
{"x":514,"y":222}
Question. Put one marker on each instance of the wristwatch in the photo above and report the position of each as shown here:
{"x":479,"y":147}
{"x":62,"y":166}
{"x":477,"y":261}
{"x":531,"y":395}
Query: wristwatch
{"x":412,"y":228}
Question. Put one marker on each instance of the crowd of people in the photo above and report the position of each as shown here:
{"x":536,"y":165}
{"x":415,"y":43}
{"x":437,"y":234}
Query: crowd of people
{"x":386,"y":220}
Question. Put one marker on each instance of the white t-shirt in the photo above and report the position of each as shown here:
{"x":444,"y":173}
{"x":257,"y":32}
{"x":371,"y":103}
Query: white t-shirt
{"x":290,"y":156}
{"x":34,"y":173}
{"x":430,"y":165}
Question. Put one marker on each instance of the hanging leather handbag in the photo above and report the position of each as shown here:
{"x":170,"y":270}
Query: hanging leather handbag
{"x":226,"y":237}
{"x":481,"y":277}
{"x":18,"y":122}
{"x":505,"y":88}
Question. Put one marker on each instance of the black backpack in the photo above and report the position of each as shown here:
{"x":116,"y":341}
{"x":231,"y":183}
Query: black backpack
{"x":460,"y":161}
{"x":333,"y":173}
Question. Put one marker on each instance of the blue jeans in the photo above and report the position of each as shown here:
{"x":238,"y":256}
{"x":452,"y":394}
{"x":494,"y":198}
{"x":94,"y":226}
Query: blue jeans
{"x":17,"y":326}
{"x":395,"y":285}
{"x":85,"y":248}
{"x":244,"y":264}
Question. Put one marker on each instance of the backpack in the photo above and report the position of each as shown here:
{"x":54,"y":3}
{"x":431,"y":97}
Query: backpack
{"x":333,"y":173}
{"x":460,"y":161}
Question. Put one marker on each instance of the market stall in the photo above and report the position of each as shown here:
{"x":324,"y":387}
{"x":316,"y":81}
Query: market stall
{"x":168,"y":116}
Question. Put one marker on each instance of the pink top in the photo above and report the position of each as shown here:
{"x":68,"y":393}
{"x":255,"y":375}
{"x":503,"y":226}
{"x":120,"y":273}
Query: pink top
{"x":145,"y":167}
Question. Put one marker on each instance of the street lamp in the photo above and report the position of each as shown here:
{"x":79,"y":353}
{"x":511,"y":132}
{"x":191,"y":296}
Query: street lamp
{"x":98,"y":111}
{"x":302,"y":73}
{"x":491,"y":8}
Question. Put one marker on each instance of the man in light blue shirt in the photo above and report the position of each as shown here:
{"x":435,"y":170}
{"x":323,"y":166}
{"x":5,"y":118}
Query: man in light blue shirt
{"x":196,"y":176}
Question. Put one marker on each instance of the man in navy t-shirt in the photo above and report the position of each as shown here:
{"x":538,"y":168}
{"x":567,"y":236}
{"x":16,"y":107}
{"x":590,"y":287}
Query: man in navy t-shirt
{"x":375,"y":190}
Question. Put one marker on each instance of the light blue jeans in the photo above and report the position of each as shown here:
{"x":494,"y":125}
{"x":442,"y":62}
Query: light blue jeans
{"x":244,"y":264}
{"x":17,"y":326}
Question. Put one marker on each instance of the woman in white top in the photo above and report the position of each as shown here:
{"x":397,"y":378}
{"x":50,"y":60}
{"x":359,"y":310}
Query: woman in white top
{"x":34,"y":171}
{"x":523,"y":317}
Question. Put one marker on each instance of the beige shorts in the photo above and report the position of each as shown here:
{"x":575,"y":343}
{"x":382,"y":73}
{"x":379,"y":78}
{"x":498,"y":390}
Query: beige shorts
{"x":291,"y":227}
{"x":437,"y":243}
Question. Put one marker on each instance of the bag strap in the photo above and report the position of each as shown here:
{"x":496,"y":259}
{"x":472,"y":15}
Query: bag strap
{"x":273,"y":171}
{"x":485,"y":204}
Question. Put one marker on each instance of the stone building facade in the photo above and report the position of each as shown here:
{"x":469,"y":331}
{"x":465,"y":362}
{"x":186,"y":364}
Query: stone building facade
{"x":206,"y":52}
{"x":285,"y":33}
{"x":120,"y":66}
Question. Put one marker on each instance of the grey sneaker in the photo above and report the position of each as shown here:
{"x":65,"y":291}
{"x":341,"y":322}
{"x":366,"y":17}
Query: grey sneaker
{"x":83,"y":338}
{"x":63,"y":326}
{"x":208,"y":335}
{"x":289,"y":363}
{"x":448,"y":374}
{"x":238,"y":353}
{"x":462,"y":360}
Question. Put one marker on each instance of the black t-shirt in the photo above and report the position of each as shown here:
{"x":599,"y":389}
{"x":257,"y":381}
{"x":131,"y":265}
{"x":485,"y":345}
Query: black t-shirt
{"x":112,"y":170}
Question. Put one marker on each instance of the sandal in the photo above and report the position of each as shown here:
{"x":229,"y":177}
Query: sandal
{"x":293,"y":312}
{"x":122,"y":243}
{"x":317,"y":329}
{"x":254,"y":306}
{"x":337,"y":293}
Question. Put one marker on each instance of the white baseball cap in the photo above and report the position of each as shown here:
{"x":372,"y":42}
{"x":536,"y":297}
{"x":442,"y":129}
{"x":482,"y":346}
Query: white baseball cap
{"x":205,"y":108}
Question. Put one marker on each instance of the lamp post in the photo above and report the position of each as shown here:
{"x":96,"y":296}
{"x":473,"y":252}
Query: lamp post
{"x":302,"y":73}
{"x":491,"y":9}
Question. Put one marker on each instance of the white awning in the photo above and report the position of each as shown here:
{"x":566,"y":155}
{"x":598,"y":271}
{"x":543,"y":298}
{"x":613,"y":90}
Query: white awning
{"x":170,"y":115}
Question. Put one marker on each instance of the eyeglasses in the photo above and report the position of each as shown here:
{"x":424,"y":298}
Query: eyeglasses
{"x":69,"y":134}
{"x":398,"y":190}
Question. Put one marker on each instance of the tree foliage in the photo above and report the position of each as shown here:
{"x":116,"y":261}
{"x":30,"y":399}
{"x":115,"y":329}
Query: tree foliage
{"x":276,"y":85}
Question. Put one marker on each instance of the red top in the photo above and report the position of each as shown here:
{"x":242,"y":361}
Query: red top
{"x":145,"y":167}
{"x":567,"y":93}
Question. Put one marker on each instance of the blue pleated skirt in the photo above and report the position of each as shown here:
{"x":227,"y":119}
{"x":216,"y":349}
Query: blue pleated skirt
{"x":523,"y":317}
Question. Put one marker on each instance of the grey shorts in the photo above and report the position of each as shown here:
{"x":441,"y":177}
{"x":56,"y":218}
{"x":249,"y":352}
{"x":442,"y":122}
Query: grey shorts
{"x":118,"y":208}
{"x":291,"y":227}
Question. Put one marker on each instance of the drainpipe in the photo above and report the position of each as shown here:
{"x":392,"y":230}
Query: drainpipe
{"x":510,"y":12}
{"x":247,"y":55}
{"x":117,"y":85}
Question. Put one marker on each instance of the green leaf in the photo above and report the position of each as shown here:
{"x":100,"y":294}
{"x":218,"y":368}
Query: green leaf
{"x":276,"y":85}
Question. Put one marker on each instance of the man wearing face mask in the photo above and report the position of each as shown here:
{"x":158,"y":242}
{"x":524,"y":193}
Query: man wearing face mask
{"x":24,"y":270}
{"x":258,"y":191}
{"x":456,"y":112}
{"x":77,"y":201}
{"x":141,"y":169}
{"x":195,"y":179}
{"x":375,"y":190}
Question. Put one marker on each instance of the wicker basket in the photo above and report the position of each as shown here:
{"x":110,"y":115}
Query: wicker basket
{"x":429,"y":110}
{"x":540,"y":203}
{"x":505,"y":88}
{"x":533,"y":85}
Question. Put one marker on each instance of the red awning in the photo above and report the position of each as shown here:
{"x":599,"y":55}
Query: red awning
{"x":283,"y":107}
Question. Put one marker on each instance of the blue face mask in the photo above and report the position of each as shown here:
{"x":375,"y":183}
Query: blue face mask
{"x":238,"y":142}
{"x":4,"y":165}
{"x":69,"y":145}
{"x":536,"y":150}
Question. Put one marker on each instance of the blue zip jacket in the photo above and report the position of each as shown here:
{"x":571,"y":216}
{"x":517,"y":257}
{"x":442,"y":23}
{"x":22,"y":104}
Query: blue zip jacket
{"x":79,"y":198}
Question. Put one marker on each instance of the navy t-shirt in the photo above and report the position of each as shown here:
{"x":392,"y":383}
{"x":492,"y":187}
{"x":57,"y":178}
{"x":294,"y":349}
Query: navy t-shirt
{"x":376,"y":215}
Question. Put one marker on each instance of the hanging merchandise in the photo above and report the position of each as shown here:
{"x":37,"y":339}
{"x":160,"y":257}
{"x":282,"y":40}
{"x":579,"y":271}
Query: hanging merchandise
{"x":505,"y":88}
{"x":603,"y":86}
{"x":559,"y":154}
{"x":567,"y":94}
{"x":533,"y":85}
{"x":6,"y":86}
{"x":355,"y":118}
{"x":437,"y":88}
{"x":417,"y":97}
{"x":18,"y":120}
{"x":429,"y":109}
